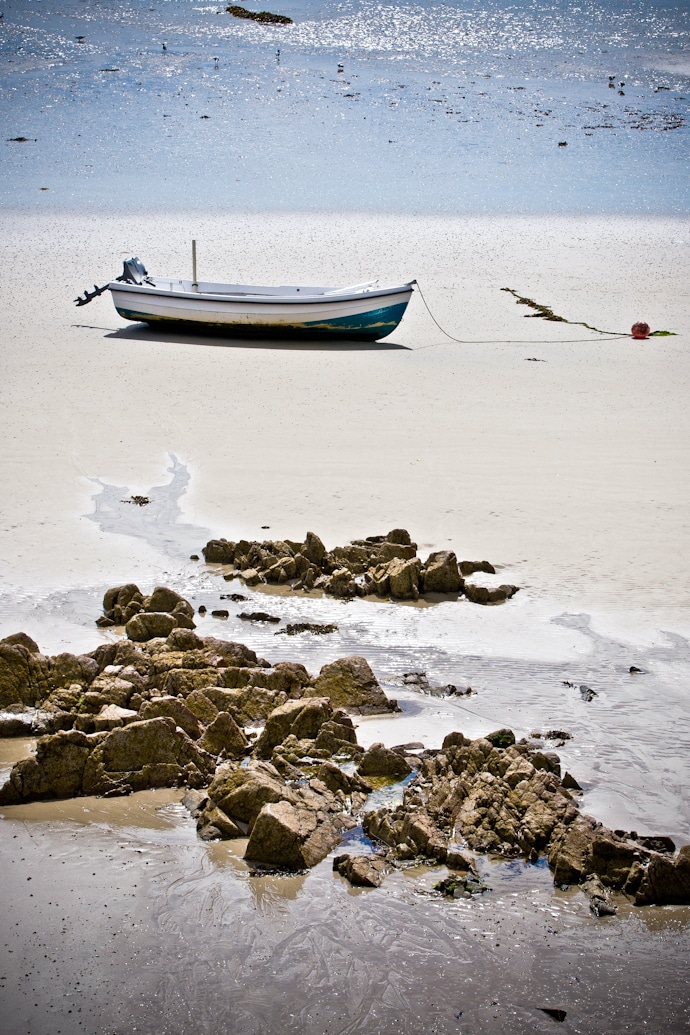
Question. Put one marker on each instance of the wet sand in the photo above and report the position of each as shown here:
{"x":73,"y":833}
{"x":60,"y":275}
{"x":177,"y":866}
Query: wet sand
{"x":569,"y":474}
{"x":117,"y":919}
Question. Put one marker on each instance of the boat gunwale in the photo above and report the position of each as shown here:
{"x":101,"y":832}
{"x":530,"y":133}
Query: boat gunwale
{"x":335,"y":295}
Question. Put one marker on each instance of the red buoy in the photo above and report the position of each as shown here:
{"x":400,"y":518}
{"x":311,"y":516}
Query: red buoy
{"x":640,"y":330}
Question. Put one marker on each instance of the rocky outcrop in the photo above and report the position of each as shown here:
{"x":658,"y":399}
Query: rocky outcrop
{"x":27,"y":677}
{"x":145,"y":617}
{"x":382,"y":761}
{"x":509,"y":799}
{"x":362,"y":871}
{"x":291,"y":837}
{"x":149,"y":753}
{"x":173,"y":711}
{"x":302,"y":719}
{"x":350,"y":683}
{"x":384,"y":566}
{"x":224,"y":737}
{"x":290,"y":827}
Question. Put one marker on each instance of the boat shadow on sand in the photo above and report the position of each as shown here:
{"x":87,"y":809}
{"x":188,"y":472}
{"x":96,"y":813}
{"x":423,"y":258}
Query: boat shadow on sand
{"x":143,"y":333}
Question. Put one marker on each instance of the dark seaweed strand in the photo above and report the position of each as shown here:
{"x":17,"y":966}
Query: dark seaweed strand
{"x":545,"y":313}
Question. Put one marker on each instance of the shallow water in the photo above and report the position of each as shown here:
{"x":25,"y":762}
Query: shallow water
{"x":363,"y":106}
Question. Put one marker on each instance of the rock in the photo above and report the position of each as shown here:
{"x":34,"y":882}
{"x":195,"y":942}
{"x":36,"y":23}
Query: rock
{"x":287,"y":836}
{"x":219,"y":551}
{"x":461,"y":886}
{"x":241,"y":792}
{"x":350,"y":683}
{"x":333,"y":777}
{"x":394,"y":551}
{"x":403,"y":577}
{"x":362,"y":871}
{"x":177,"y":710}
{"x":194,"y":801}
{"x":258,"y":616}
{"x":381,"y":761}
{"x":599,"y":898}
{"x":55,"y":772}
{"x":302,"y":718}
{"x":224,"y":736}
{"x":290,"y":826}
{"x":456,"y":859}
{"x":232,"y":654}
{"x":470,"y":567}
{"x":21,"y":639}
{"x":441,"y":574}
{"x":570,"y":783}
{"x":27,"y":677}
{"x":399,"y":535}
{"x":264,"y":17}
{"x":112,"y":716}
{"x":502,"y":738}
{"x":338,"y":737}
{"x":340,"y":584}
{"x":587,"y":694}
{"x":165,"y":600}
{"x":213,"y":825}
{"x":147,"y":625}
{"x":665,"y":845}
{"x":288,"y":677}
{"x":552,"y":1012}
{"x":201,"y":706}
{"x":455,"y":739}
{"x":482,"y":595}
{"x":148,"y":753}
{"x":121,"y":596}
{"x":251,"y":577}
{"x":586,"y":847}
{"x":313,"y":550}
{"x":185,"y":639}
{"x":19,"y":723}
{"x":666,"y":881}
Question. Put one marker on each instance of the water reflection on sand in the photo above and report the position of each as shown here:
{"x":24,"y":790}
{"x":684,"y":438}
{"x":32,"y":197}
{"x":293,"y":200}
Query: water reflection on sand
{"x":118,"y":918}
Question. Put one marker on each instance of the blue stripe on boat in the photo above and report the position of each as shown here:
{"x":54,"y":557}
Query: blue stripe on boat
{"x":371,"y":326}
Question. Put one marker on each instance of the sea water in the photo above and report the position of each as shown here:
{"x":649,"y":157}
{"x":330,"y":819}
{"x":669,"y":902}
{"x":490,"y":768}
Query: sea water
{"x":465,"y":107}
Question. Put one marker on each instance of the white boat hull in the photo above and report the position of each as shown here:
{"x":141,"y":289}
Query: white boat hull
{"x":365,"y":312}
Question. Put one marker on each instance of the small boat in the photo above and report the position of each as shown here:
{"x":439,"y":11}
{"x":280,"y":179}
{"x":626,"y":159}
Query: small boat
{"x":363,"y":312}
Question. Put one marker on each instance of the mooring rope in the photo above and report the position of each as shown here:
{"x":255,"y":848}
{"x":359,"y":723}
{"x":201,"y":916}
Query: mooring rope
{"x":609,"y":336}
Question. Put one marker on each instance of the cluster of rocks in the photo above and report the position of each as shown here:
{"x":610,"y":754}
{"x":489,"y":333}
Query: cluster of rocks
{"x":493,"y":795}
{"x":189,"y":678}
{"x":145,"y":616}
{"x":380,"y":565}
{"x":269,"y":753}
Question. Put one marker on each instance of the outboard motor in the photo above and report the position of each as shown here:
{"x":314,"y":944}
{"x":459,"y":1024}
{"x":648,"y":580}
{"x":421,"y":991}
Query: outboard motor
{"x":133,"y":271}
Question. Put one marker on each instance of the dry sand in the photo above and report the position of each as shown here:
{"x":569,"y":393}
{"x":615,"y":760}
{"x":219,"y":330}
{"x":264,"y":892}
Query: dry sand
{"x":571,"y":474}
{"x":572,"y":470}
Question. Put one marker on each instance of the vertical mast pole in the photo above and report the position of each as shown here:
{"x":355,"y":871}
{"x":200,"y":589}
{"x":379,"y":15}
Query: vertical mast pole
{"x":195,"y":285}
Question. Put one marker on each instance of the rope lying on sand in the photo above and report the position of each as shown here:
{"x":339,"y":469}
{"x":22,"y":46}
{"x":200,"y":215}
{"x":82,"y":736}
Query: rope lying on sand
{"x":542,"y":311}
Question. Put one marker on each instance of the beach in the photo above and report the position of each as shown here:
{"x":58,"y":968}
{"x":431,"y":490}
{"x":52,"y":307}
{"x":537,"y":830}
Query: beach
{"x":556,"y":450}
